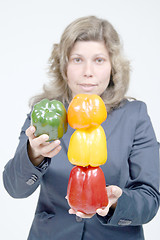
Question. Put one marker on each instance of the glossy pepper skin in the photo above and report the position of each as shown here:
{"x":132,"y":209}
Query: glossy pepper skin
{"x":86,"y":190}
{"x":86,"y":111}
{"x":49,"y":117}
{"x":88,"y":147}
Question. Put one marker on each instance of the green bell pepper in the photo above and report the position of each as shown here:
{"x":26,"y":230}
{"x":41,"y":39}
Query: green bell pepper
{"x":49,"y":117}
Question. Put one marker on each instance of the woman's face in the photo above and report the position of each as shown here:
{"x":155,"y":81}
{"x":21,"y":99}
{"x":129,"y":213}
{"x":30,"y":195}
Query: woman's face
{"x":89,"y":68}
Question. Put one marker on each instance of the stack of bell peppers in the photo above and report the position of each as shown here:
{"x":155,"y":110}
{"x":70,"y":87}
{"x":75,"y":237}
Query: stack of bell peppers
{"x":86,"y":190}
{"x":87,"y":150}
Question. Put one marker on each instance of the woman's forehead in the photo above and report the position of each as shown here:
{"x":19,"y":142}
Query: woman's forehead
{"x":82,"y":47}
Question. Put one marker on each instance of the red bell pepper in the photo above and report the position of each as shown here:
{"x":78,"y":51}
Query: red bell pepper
{"x":86,"y":190}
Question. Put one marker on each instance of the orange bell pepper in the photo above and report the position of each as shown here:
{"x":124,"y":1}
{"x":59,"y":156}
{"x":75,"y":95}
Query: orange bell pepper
{"x":88,"y":147}
{"x":86,"y":111}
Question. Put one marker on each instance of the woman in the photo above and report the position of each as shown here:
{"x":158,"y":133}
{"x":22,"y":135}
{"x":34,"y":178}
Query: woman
{"x":89,"y":59}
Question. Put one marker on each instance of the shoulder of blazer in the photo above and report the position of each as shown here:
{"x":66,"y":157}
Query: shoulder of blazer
{"x":127,"y":111}
{"x":133,"y":108}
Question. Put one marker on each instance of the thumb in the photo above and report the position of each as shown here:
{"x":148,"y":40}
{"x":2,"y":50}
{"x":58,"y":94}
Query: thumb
{"x":114,"y":191}
{"x":30,"y":132}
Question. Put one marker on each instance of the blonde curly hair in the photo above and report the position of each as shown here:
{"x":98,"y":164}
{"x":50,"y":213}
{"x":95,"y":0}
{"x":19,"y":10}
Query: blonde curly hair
{"x":88,"y":28}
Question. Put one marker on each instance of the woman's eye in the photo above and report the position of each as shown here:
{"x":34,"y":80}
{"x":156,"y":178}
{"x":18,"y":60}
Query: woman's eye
{"x":77,"y":60}
{"x":99,"y":60}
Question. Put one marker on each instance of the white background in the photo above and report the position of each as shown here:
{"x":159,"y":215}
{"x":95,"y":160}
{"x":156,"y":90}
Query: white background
{"x":28,"y":28}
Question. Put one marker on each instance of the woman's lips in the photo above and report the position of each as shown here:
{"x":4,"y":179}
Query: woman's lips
{"x":87,"y":86}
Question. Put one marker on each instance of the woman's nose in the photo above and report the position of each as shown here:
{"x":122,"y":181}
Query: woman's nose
{"x":88,"y":70}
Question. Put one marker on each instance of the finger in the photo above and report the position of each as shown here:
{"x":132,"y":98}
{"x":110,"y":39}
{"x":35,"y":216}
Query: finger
{"x":80,"y":214}
{"x":51,"y":146}
{"x":37,"y":141}
{"x":83,"y":215}
{"x":30,"y":132}
{"x":117,"y":192}
{"x":103,"y":212}
{"x":71,"y":211}
{"x":111,"y":190}
{"x":114,"y":191}
{"x":53,"y":152}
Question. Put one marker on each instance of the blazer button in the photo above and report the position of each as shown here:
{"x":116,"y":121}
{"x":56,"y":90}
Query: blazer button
{"x":79,"y":219}
{"x":32,"y":180}
{"x":124,"y":222}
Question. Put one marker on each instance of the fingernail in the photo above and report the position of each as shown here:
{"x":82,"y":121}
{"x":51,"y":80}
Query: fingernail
{"x":32,"y":129}
{"x":98,"y":211}
{"x":57,"y":142}
{"x":45,"y":137}
{"x":70,"y":211}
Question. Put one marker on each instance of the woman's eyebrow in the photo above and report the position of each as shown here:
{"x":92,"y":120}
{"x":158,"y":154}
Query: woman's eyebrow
{"x":97,"y":54}
{"x":76,"y":54}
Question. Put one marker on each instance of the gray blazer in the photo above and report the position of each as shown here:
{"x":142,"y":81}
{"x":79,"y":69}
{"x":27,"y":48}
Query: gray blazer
{"x":133,"y":165}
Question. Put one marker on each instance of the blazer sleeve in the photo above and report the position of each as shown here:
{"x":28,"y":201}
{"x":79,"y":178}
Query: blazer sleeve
{"x":21,"y":178}
{"x":140,"y":198}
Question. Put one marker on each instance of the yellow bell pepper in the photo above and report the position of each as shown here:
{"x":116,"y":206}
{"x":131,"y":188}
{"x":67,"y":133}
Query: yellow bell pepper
{"x":88,"y":147}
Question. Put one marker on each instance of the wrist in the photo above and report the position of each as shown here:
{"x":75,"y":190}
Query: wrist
{"x":114,"y":206}
{"x":34,"y":157}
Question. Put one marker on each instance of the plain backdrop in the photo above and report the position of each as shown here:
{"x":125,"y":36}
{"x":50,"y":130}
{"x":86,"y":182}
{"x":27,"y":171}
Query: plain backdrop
{"x":28,"y":29}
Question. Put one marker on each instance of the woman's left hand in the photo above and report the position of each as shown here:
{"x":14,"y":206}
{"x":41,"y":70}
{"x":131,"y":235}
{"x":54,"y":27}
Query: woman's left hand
{"x":113,"y":192}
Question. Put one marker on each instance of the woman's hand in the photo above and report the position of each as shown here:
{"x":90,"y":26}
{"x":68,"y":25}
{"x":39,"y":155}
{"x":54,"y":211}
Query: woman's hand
{"x":38,"y":148}
{"x":113,"y":193}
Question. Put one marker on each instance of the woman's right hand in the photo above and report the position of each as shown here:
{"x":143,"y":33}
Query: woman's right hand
{"x":38,"y":148}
